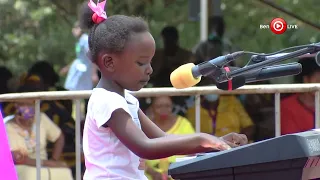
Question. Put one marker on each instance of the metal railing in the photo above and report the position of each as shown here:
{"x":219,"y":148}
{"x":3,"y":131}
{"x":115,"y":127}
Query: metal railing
{"x":276,"y":89}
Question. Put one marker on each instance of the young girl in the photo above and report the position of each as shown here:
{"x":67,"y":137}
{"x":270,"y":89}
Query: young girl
{"x":117,"y":133}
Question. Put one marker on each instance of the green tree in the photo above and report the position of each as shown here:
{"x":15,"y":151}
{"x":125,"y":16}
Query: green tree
{"x":33,"y":30}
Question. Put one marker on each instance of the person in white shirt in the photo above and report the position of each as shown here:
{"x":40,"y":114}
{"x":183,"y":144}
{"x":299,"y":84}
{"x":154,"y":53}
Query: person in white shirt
{"x":117,"y":134}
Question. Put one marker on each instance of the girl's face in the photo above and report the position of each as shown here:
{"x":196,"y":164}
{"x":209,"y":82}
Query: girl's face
{"x":131,"y":69}
{"x":162,"y":107}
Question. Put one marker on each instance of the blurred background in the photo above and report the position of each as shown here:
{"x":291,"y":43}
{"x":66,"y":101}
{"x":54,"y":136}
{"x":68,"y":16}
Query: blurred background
{"x":40,"y":39}
{"x":41,"y":30}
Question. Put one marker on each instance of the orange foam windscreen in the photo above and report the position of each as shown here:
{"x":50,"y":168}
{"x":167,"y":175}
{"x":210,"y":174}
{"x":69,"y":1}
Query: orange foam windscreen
{"x":182,"y":77}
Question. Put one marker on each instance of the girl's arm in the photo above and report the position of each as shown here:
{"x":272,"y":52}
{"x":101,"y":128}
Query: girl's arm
{"x":136,"y":140}
{"x":151,"y":129}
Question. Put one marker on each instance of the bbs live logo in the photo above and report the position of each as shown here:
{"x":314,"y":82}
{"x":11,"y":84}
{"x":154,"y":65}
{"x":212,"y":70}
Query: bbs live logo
{"x":278,"y":26}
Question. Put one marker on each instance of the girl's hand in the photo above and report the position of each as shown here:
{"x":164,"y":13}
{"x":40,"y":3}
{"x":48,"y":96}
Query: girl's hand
{"x":142,"y":165}
{"x":214,"y":142}
{"x":235,"y":139}
{"x":155,"y":175}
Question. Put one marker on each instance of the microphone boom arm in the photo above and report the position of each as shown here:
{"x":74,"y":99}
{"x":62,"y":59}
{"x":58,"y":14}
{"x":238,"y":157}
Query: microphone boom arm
{"x":229,"y":75}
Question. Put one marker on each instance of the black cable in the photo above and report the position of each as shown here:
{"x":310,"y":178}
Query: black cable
{"x":283,"y":50}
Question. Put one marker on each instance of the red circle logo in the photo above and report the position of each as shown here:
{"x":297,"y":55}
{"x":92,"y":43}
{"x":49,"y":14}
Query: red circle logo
{"x":278,"y":26}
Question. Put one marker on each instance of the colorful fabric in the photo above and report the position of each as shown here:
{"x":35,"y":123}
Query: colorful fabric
{"x":295,"y":116}
{"x":230,"y":117}
{"x":7,"y":169}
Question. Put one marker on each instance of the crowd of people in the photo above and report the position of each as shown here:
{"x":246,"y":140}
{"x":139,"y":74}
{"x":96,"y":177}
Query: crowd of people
{"x":252,"y":115}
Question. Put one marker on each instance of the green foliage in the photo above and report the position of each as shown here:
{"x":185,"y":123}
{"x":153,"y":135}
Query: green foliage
{"x":244,"y":18}
{"x":34,"y":30}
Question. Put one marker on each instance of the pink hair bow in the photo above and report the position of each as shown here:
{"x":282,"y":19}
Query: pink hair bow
{"x":99,"y":14}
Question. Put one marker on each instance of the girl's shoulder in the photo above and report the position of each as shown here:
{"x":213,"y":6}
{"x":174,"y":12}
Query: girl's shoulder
{"x":130,"y":98}
{"x":103,"y":94}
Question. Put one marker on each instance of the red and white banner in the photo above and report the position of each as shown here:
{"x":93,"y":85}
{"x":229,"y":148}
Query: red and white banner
{"x":311,"y":169}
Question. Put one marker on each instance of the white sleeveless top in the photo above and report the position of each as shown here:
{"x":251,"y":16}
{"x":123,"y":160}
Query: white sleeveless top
{"x":105,"y":156}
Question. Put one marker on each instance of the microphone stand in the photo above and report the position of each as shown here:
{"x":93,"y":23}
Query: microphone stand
{"x":313,"y":48}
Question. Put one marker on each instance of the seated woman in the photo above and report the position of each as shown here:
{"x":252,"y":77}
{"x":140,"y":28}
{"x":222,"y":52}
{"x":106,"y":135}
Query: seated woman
{"x":21,"y":131}
{"x":57,"y":113}
{"x":162,"y":115}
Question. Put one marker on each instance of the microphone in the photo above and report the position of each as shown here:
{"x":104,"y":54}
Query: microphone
{"x":269,"y":72}
{"x":275,"y":71}
{"x":188,"y":75}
